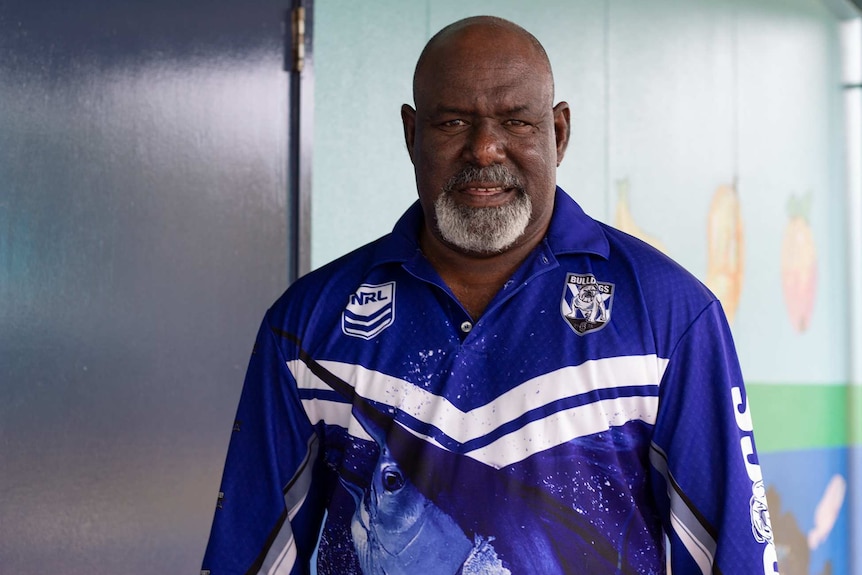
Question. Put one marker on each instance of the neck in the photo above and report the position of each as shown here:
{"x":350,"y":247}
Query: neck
{"x":475,"y":278}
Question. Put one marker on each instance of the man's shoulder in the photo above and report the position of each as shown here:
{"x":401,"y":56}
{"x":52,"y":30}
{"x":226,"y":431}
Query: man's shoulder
{"x":315,"y":302}
{"x":658,"y":276}
{"x":340,"y":274}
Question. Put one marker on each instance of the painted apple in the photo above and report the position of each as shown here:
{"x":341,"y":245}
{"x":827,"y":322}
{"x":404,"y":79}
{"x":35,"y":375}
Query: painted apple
{"x":725,"y":249}
{"x":799,"y":264}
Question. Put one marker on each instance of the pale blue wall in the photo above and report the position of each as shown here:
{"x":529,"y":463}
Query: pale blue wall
{"x":676,"y":98}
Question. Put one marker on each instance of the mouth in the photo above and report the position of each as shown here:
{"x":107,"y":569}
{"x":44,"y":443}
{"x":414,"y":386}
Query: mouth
{"x":489,"y":186}
{"x":482,"y":194}
{"x":483,"y":189}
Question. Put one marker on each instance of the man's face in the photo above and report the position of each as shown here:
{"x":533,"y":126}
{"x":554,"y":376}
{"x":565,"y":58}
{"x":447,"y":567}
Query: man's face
{"x":485,"y":140}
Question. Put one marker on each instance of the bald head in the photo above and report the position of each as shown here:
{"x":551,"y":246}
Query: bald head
{"x":470,"y":38}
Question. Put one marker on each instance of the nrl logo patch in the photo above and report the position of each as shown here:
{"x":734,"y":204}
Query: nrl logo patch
{"x":369,"y":311}
{"x":586,"y":303}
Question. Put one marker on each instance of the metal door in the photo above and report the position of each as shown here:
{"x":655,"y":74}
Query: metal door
{"x":145,"y":226}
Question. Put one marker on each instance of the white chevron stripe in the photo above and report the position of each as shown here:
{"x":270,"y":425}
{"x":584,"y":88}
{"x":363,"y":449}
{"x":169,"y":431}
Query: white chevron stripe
{"x":555,"y":429}
{"x":334,"y":413}
{"x":564,"y":426}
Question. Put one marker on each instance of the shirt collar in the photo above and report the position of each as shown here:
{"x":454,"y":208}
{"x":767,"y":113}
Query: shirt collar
{"x":571,"y":231}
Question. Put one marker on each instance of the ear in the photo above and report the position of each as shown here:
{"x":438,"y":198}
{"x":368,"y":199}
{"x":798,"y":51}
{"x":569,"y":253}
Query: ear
{"x":408,"y":118}
{"x":562,"y":129}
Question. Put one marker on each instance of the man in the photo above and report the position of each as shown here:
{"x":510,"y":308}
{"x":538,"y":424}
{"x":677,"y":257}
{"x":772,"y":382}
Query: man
{"x":502,"y":385}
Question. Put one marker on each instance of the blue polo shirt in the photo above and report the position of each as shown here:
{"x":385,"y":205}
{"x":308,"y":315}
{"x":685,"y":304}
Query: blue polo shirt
{"x":593,"y":420}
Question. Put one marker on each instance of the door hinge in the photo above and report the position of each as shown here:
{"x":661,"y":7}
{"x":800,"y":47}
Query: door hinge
{"x":297,"y":21}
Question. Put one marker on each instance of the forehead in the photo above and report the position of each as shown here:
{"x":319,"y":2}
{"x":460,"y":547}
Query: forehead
{"x":490,"y":87}
{"x":484,"y":65}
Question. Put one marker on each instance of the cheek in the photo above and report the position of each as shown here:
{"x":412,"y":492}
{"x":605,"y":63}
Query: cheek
{"x":436,"y":151}
{"x":430,"y":178}
{"x":434,"y":169}
{"x":538,"y":165}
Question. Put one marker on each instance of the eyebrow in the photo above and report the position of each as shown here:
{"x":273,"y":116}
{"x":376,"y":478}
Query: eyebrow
{"x":463,"y":112}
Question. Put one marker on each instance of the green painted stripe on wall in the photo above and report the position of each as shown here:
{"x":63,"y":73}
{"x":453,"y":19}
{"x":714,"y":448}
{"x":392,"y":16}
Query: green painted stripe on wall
{"x":795,"y":417}
{"x":854,"y":411}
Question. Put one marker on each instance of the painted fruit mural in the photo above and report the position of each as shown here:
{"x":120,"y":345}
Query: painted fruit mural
{"x":625,"y":221}
{"x":725,"y":249}
{"x":799,"y":263}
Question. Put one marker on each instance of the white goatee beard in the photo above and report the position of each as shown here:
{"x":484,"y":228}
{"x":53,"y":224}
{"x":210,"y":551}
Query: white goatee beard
{"x":482,"y":230}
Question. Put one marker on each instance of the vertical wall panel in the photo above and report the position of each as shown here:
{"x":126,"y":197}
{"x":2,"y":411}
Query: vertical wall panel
{"x":362,"y":179}
{"x":791,"y":145}
{"x":671,"y":116}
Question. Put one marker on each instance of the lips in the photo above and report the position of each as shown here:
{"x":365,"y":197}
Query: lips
{"x":483,"y":195}
{"x":483,"y":189}
{"x":492,"y":179}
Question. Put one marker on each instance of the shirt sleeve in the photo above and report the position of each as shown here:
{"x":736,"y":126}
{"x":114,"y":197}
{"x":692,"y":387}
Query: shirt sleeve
{"x":706,"y":476}
{"x":268,"y":514}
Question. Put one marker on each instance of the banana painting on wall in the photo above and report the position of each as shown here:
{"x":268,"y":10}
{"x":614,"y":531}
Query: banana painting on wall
{"x":725,"y":241}
{"x":624,"y":219}
{"x":725,"y":249}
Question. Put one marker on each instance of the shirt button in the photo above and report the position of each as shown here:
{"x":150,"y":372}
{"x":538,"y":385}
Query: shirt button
{"x":466,"y":327}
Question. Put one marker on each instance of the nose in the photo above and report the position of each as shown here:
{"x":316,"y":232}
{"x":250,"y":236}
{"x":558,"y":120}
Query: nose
{"x":486,"y":144}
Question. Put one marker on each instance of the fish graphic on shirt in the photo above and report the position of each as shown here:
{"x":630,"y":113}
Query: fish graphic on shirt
{"x":398,"y":531}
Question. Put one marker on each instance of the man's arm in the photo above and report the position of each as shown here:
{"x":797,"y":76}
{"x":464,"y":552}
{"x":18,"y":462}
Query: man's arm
{"x":265,"y":520}
{"x":707,"y":479}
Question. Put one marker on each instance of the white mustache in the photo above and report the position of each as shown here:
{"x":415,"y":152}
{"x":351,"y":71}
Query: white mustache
{"x":497,"y":174}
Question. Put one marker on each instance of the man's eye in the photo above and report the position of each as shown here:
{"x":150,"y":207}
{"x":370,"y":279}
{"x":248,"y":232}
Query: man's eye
{"x":456,"y":123}
{"x":516,"y":123}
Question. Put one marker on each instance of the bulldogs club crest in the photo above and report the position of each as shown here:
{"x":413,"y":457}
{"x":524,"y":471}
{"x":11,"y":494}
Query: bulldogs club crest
{"x":586,"y":303}
{"x":369,"y":311}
